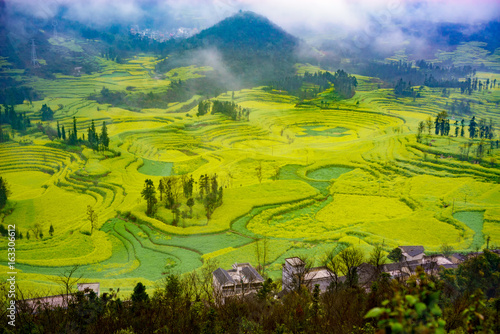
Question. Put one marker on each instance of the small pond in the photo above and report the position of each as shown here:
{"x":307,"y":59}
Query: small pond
{"x":311,"y":130}
{"x":156,"y":168}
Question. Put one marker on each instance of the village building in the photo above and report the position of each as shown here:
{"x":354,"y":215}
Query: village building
{"x":241,"y":280}
{"x":295,"y":274}
{"x":86,"y":287}
{"x":458,"y":258}
{"x":412,"y":253}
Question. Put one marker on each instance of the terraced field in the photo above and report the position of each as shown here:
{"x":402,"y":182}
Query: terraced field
{"x":302,"y":178}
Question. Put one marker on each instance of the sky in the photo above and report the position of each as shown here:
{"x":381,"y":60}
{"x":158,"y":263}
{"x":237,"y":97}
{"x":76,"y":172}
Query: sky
{"x":312,"y":14}
{"x":380,"y":25}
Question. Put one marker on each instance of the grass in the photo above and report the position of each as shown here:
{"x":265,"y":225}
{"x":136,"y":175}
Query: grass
{"x":474,"y":220}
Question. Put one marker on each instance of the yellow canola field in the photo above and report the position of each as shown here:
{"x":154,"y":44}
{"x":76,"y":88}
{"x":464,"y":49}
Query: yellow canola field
{"x":346,"y":210}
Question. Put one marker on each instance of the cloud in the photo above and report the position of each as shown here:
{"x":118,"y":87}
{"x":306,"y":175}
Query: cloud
{"x":315,"y":14}
{"x":371,"y":20}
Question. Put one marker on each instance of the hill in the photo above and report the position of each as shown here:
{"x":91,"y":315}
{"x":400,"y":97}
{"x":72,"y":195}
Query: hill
{"x":245,"y":31}
{"x":246,"y":44}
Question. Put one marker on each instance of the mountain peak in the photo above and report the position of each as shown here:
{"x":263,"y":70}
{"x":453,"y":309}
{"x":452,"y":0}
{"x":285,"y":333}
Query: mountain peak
{"x":242,"y":30}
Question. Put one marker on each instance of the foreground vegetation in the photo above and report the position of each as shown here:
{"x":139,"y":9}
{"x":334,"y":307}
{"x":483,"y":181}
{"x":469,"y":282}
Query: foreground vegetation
{"x":456,"y":301}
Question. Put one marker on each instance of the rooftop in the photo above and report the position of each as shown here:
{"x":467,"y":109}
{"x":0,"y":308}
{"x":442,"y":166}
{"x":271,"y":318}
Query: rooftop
{"x":295,"y":261}
{"x":242,"y":273}
{"x":223,"y":277}
{"x":412,"y":250}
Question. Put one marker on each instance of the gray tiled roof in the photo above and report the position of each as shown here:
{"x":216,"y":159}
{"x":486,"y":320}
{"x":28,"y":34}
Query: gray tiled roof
{"x":412,"y":250}
{"x":223,"y":277}
{"x":252,"y":275}
{"x":392,"y":266}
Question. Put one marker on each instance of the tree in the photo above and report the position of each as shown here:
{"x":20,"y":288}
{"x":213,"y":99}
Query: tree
{"x":332,"y":263}
{"x":58,"y":131}
{"x":395,"y":255}
{"x":446,"y":249}
{"x":47,"y":113}
{"x":428,"y":123}
{"x":472,"y":127}
{"x":420,"y":129}
{"x":2,"y":138}
{"x":104,"y":136}
{"x":258,"y":171}
{"x":350,"y":258}
{"x":415,"y":311}
{"x":139,"y":295}
{"x":63,"y":133}
{"x":172,"y":191}
{"x":92,"y":217}
{"x":51,"y":230}
{"x":92,"y":136}
{"x":75,"y":131}
{"x":377,"y":258}
{"x":68,"y":280}
{"x":261,"y":251}
{"x":148,"y":193}
{"x":190,"y":203}
{"x":4,"y":192}
{"x":161,"y":189}
{"x":267,"y":287}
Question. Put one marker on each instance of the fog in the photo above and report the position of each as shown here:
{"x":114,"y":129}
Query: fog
{"x":314,"y":15}
{"x":378,"y":25}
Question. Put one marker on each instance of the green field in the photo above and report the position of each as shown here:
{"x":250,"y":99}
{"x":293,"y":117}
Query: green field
{"x":352,"y":174}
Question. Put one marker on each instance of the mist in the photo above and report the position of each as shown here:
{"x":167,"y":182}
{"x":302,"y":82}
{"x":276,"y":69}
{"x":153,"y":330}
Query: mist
{"x":340,"y":26}
{"x":294,"y":16}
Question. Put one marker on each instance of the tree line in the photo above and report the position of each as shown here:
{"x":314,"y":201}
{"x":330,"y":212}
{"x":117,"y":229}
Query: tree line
{"x":175,"y":191}
{"x":178,"y":91}
{"x":343,"y":83}
{"x":14,"y":94}
{"x":483,"y":129}
{"x":17,"y":121}
{"x":229,"y":109}
{"x":419,"y":73}
{"x":455,"y":300}
{"x":96,"y":141}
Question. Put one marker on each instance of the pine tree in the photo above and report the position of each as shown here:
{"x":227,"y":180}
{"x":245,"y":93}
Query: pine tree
{"x":74,"y":135}
{"x":104,"y":136}
{"x":58,"y":131}
{"x":51,"y":230}
{"x":148,"y":193}
{"x":4,"y":192}
{"x":63,"y":133}
{"x":161,"y":189}
{"x":472,"y":127}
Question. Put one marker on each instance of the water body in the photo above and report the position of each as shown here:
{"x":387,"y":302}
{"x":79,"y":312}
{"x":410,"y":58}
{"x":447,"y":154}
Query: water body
{"x":474,"y":220}
{"x":156,"y":168}
{"x":310,"y":130}
{"x":290,"y":172}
